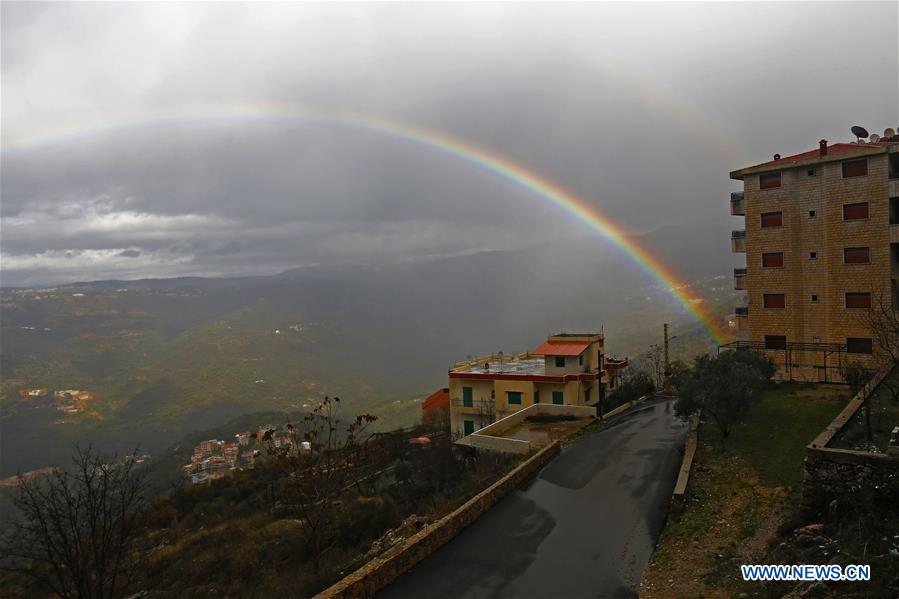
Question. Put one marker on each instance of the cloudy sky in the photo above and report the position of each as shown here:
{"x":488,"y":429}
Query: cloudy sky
{"x":168,"y":139}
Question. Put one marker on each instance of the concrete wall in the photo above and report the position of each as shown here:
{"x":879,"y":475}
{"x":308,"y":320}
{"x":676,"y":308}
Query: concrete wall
{"x":383,"y":570}
{"x":491,"y":437}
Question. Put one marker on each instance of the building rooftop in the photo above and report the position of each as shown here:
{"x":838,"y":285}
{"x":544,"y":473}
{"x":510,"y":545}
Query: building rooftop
{"x":834,"y":152}
{"x":436,"y":400}
{"x":561,"y":348}
{"x":526,"y":366}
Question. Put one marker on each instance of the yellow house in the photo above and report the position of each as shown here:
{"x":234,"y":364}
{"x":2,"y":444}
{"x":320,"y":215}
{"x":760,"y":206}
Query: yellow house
{"x":568,"y":369}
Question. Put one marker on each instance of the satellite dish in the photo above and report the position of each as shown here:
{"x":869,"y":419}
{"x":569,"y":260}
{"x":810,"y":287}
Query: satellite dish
{"x":859,"y":132}
{"x":888,"y":132}
{"x":874,"y":138}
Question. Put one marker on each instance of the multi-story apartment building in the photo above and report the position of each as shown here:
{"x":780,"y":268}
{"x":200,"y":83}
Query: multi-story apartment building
{"x":822,"y":246}
{"x":567,"y":369}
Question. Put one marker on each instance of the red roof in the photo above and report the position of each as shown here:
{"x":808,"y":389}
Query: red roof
{"x":561,"y":348}
{"x":836,"y":149}
{"x":436,"y":400}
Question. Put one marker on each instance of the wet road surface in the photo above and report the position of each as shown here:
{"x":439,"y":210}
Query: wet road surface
{"x":584,"y":527}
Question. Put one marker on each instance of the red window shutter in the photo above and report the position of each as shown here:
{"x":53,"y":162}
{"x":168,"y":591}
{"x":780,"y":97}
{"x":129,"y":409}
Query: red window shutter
{"x":858,"y":300}
{"x":769,"y":181}
{"x":772,"y":219}
{"x":855,"y":168}
{"x":773,"y":260}
{"x":856,"y":255}
{"x":775,"y":300}
{"x":855,"y":211}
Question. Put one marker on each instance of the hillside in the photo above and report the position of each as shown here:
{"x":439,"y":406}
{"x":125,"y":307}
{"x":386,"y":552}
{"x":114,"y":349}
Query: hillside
{"x":162,"y":358}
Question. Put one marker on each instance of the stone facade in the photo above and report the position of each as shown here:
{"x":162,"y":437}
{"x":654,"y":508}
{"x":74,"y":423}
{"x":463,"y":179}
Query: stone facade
{"x":814,"y":278}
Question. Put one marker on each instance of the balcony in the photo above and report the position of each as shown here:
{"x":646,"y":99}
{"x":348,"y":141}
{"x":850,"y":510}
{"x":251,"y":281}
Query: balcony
{"x":481,"y":406}
{"x":737,"y":204}
{"x":894,"y":188}
{"x":894,"y":233}
{"x":741,"y":315}
{"x":738,"y":242}
{"x":740,"y":279}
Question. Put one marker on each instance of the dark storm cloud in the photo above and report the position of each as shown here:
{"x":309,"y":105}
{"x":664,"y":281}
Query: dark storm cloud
{"x":640,"y":108}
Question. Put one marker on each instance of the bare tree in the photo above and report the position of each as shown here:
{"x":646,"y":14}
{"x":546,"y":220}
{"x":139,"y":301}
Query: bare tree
{"x":882,"y":319}
{"x":655,"y":364}
{"x":76,"y":531}
{"x":317,"y":479}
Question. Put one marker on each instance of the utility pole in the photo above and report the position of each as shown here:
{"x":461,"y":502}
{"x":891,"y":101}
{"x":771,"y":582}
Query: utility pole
{"x":666,"y":380}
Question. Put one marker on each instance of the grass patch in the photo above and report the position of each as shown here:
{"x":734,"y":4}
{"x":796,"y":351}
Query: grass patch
{"x":773,"y":436}
{"x":741,"y":490}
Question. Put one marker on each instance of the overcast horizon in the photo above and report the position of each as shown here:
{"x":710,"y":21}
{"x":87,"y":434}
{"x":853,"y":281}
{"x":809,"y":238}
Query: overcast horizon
{"x":110,"y":168}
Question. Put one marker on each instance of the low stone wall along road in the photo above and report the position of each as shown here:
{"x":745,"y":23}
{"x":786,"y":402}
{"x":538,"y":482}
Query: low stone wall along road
{"x":584,"y":527}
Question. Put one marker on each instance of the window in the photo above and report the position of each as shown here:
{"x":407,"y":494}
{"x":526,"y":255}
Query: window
{"x":856,"y":255}
{"x":855,"y":168}
{"x":587,"y":395}
{"x":775,"y":342}
{"x":812,"y":214}
{"x":769,"y":181}
{"x":558,"y":398}
{"x":814,"y":298}
{"x":468,"y":426}
{"x":855,"y":211}
{"x":772,"y":219}
{"x":775,"y":300}
{"x":859,"y":345}
{"x":467,"y":397}
{"x":813,"y":255}
{"x":514,"y":397}
{"x":560,"y":361}
{"x":773,"y":260}
{"x":810,"y":172}
{"x":858,"y":299}
{"x":536,"y":397}
{"x":580,"y":360}
{"x":493,"y":394}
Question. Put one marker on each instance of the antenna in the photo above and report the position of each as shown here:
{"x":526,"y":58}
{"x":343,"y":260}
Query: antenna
{"x":859,"y":132}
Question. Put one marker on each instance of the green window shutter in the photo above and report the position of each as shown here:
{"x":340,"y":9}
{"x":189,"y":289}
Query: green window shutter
{"x":467,"y":400}
{"x":515,"y":397}
{"x":468,"y":426}
{"x":558,"y":398}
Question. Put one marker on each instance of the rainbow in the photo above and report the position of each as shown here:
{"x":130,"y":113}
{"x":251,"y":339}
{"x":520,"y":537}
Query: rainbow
{"x":466,"y":151}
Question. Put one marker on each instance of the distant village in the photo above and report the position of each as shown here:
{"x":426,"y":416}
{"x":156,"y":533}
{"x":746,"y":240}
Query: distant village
{"x":215,"y":458}
{"x":70,"y":401}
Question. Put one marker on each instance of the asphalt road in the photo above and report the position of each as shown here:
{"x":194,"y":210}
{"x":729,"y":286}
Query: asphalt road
{"x":584,"y":527}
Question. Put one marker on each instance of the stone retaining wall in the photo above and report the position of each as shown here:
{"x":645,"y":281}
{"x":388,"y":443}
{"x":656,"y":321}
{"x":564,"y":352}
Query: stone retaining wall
{"x":832,"y":473}
{"x":383,"y":570}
